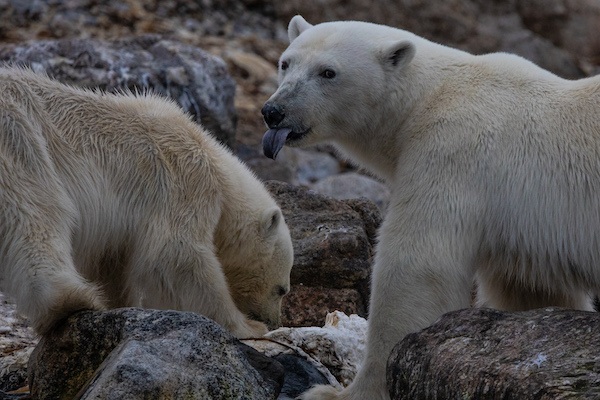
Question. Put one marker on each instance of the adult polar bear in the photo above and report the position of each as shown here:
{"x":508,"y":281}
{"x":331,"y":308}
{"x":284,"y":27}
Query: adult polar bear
{"x":110,"y":201}
{"x":493,"y":163}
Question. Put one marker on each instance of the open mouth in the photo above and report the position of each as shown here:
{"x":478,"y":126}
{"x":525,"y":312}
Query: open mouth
{"x":275,"y":138}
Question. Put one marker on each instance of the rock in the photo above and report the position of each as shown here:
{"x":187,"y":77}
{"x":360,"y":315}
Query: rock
{"x":301,"y":370}
{"x":487,"y":354}
{"x":352,"y":185}
{"x":284,"y":170}
{"x":569,"y":24}
{"x":134,"y":354}
{"x":300,"y":375}
{"x":333,"y":239}
{"x":196,"y":80}
{"x":313,"y":166}
{"x":295,"y":166}
{"x":17,"y":341}
{"x":339,"y":345}
{"x":308,"y":306}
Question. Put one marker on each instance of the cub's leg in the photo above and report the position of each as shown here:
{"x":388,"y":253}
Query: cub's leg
{"x":188,"y":276}
{"x":36,"y":216}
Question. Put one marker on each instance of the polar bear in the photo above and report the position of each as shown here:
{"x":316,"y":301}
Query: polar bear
{"x":493,"y":165}
{"x":121,"y":200}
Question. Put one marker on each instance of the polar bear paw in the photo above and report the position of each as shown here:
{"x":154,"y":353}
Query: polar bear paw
{"x":325,"y":392}
{"x":250,"y":329}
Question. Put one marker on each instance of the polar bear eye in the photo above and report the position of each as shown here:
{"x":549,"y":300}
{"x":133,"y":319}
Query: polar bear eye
{"x":328,"y":74}
{"x":284,"y":65}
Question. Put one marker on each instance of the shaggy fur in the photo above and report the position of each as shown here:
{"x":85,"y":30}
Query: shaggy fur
{"x":121,"y":200}
{"x":493,"y":165}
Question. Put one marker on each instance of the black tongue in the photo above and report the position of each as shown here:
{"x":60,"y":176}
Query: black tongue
{"x":273,"y":141}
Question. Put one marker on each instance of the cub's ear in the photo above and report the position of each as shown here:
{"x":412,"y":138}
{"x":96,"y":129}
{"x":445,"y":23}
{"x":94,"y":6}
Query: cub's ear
{"x":270,"y":221}
{"x":397,"y":54}
{"x":296,"y":26}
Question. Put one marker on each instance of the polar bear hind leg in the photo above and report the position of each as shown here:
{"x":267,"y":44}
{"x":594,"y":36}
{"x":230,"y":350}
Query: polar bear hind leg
{"x":504,"y":293}
{"x":35,"y":216}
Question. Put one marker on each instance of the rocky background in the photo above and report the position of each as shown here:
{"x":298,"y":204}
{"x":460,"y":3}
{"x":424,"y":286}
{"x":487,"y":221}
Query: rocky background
{"x":218,"y":59}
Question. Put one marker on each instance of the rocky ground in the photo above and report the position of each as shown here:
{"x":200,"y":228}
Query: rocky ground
{"x":249,"y":35}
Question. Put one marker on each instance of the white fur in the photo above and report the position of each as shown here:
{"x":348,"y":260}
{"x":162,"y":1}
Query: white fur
{"x":111,"y":201}
{"x":493,"y":164}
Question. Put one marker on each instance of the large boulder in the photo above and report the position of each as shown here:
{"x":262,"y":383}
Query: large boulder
{"x":197,"y":81}
{"x":333,"y":248}
{"x":137,"y":354}
{"x":486,"y":354}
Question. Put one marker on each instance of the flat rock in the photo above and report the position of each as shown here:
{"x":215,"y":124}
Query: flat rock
{"x":487,"y":354}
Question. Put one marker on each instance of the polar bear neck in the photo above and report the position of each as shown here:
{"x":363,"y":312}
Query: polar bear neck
{"x":409,"y":89}
{"x":434,"y":90}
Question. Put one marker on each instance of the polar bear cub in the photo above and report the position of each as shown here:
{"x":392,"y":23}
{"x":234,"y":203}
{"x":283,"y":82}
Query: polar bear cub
{"x":493,"y":165}
{"x":111,"y":201}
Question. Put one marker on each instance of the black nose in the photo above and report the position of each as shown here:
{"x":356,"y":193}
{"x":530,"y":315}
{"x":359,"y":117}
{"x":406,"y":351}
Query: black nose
{"x":272,"y":114}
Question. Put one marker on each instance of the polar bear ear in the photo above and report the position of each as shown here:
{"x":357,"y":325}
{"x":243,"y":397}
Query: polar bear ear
{"x":270,"y":221}
{"x":296,"y":26}
{"x":398,"y":54}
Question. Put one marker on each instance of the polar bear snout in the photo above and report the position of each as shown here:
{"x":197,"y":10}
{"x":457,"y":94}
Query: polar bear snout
{"x":272,"y":114}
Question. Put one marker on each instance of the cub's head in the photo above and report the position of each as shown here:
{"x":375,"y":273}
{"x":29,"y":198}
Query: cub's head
{"x":333,"y":80}
{"x":257,"y":258}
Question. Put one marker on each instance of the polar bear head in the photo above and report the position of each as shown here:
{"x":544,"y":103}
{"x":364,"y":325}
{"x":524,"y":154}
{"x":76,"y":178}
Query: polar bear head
{"x":254,"y":247}
{"x":332,"y":79}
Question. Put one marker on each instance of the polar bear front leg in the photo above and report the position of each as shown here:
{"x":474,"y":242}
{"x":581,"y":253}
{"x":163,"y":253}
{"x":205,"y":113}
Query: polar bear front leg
{"x":190,"y":277}
{"x":422,"y":270}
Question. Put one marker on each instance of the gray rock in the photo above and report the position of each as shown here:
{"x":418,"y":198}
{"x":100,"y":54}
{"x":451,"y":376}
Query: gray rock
{"x":333,"y":240}
{"x":486,"y":354}
{"x":313,"y":166}
{"x":283,"y":170}
{"x":17,"y":341}
{"x":293,"y":165}
{"x":196,"y":80}
{"x":302,"y":371}
{"x":137,"y":354}
{"x":300,"y":375}
{"x":352,"y":185}
{"x":338,"y":346}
